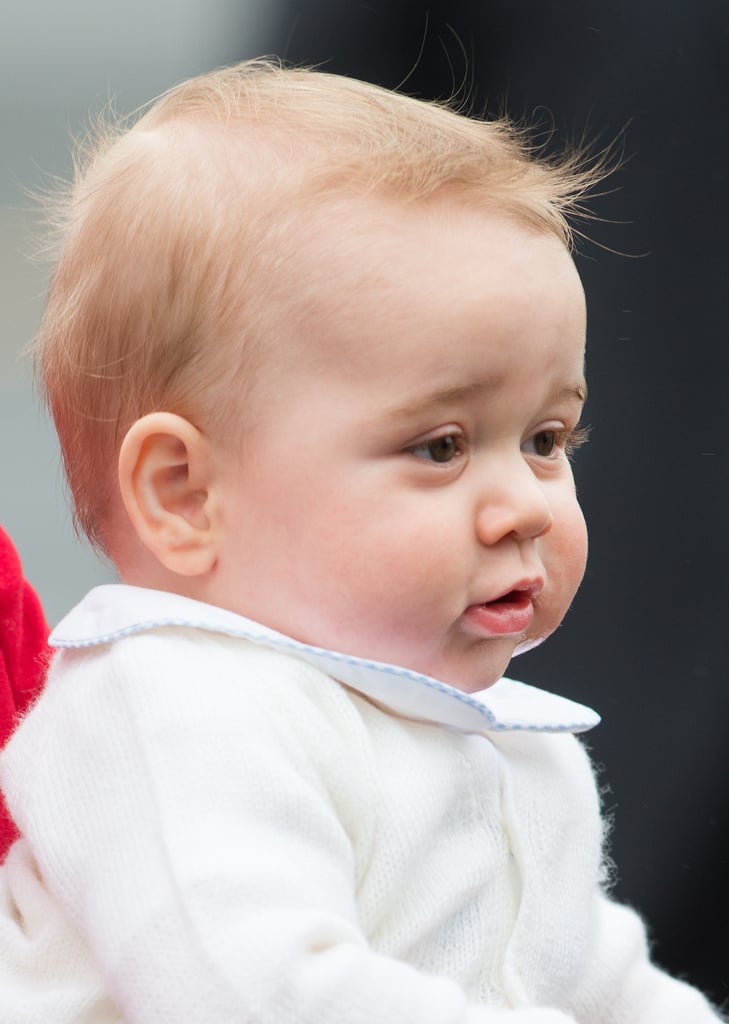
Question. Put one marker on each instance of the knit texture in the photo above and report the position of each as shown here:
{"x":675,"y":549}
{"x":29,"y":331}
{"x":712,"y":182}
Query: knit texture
{"x":218,"y":833}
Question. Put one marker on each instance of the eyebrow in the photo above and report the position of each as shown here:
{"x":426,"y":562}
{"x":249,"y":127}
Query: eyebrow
{"x":445,"y":396}
{"x":576,"y":391}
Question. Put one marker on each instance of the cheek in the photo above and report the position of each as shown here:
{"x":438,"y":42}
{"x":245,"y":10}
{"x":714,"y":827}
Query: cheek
{"x":389,"y":557}
{"x":572,"y":547}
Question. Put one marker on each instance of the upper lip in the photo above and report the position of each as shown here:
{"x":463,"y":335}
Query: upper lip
{"x":532,"y":585}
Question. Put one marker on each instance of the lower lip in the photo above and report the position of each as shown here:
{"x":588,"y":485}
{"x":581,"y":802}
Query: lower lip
{"x":501,"y":618}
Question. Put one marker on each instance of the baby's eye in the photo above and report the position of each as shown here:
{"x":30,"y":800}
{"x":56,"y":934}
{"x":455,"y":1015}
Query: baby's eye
{"x":550,"y":443}
{"x":543,"y":443}
{"x":441,"y":449}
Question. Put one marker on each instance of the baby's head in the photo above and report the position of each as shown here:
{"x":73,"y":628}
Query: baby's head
{"x":314,"y":352}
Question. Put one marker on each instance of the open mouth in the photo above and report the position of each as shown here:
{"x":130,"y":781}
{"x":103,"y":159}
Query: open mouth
{"x":511,"y":597}
{"x":509,"y":614}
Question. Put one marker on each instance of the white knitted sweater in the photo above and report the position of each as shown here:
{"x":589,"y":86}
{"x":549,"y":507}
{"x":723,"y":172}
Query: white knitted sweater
{"x":217,"y":832}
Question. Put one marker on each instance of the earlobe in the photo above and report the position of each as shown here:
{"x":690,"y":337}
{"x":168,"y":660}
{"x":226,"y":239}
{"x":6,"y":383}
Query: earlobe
{"x":164,"y":478}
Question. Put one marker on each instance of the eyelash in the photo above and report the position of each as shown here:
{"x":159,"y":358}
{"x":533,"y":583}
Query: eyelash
{"x":565,"y":441}
{"x":574,"y":440}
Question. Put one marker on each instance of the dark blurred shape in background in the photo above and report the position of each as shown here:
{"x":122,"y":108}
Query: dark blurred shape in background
{"x":647,"y":642}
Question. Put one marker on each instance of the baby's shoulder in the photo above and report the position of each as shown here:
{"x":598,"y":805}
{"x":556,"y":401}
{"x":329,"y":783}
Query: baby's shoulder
{"x":187,"y":704}
{"x":182,"y":686}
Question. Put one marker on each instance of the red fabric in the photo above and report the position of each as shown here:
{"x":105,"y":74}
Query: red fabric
{"x":23,"y":655}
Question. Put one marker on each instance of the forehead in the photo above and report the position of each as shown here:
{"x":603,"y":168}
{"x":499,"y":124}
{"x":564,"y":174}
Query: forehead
{"x":373,"y":277}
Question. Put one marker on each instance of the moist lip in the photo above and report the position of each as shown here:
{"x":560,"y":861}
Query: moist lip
{"x":509,"y":614}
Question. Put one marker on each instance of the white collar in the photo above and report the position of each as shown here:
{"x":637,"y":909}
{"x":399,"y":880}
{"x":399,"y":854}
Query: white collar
{"x":116,"y":610}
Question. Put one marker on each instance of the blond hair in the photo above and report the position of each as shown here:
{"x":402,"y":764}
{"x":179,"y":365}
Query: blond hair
{"x":175,"y":224}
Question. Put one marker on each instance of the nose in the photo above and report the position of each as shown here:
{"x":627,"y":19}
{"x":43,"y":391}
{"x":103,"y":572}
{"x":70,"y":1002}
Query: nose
{"x":513,"y":503}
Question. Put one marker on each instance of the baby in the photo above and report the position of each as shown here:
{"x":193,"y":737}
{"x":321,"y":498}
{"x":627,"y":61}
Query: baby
{"x":315,"y":356}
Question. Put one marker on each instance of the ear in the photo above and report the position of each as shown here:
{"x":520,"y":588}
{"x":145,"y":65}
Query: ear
{"x":165,"y":477}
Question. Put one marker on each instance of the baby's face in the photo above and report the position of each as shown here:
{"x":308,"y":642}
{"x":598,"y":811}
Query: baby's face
{"x":406,"y":496}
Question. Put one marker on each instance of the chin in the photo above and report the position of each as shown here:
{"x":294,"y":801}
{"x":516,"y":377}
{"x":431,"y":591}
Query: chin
{"x":474,"y":681}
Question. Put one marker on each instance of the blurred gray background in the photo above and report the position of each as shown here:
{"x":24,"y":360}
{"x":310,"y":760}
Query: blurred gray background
{"x":60,"y":63}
